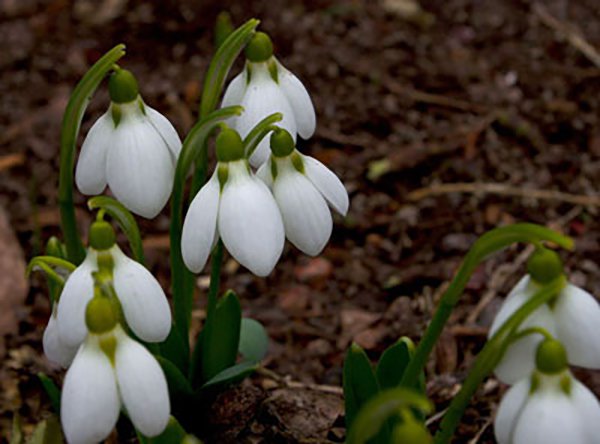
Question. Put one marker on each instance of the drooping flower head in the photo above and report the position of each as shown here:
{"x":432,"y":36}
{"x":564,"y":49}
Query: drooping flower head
{"x":303,"y":187}
{"x":265,"y":87}
{"x":549,"y":406}
{"x":132,"y":148}
{"x":573,"y":317}
{"x":237,"y":207}
{"x":111,"y":369}
{"x":141,"y":297}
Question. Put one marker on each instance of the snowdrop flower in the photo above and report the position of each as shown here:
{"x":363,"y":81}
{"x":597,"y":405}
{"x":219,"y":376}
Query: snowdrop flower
{"x":141,"y":297}
{"x":132,"y":148}
{"x":237,"y":207}
{"x":55,"y":349}
{"x":550,"y":406}
{"x":265,"y":87}
{"x":302,"y":187}
{"x":111,"y":369}
{"x":573,"y":318}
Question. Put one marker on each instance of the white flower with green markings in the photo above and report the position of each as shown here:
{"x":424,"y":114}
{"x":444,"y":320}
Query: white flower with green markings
{"x":573,"y":317}
{"x":549,"y":406}
{"x":265,"y":87}
{"x":141,"y":297}
{"x":55,"y":349}
{"x":110,"y":370}
{"x":237,"y":207}
{"x":303,"y":187}
{"x":132,"y":148}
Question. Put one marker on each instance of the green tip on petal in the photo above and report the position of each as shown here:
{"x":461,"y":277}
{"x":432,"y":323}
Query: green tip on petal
{"x":229,"y":146}
{"x":102,"y":235}
{"x":260,"y":48}
{"x":282,"y":143}
{"x":544,"y":265}
{"x":551,"y":357}
{"x":123,"y":86}
{"x":411,"y":432}
{"x":100,"y":315}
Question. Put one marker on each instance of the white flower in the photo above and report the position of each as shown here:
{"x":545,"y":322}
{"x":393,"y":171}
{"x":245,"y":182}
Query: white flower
{"x":242,"y":212}
{"x":548,"y":409}
{"x":134,"y":149}
{"x":54,"y":347}
{"x":97,"y":384}
{"x":264,"y":88}
{"x":302,"y":187}
{"x":142,"y":299}
{"x":573,"y":318}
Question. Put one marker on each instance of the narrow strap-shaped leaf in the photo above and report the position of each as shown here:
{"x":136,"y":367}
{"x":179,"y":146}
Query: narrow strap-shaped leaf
{"x":45,"y":264}
{"x":259,"y":132}
{"x":176,"y":349}
{"x":68,"y":145}
{"x":221,"y":337}
{"x":254,"y":341}
{"x":178,"y":383}
{"x":182,"y":280}
{"x":51,"y":390}
{"x":221,"y":64}
{"x":47,"y":432}
{"x":173,"y":434}
{"x":229,"y":376}
{"x":393,"y":362}
{"x":126,"y":222}
{"x":16,"y":436}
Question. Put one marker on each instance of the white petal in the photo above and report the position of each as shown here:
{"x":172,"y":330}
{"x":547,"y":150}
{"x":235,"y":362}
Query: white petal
{"x":519,"y":360}
{"x":577,"y":316}
{"x":166,"y":130}
{"x":143,"y":387}
{"x":299,"y":99}
{"x":548,"y":417}
{"x":330,"y":186}
{"x":140,"y":168}
{"x":509,"y":410}
{"x":306,"y":216}
{"x":77,"y":292}
{"x":249,"y":221}
{"x":142,"y":298}
{"x":200,"y":226}
{"x":264,"y":173}
{"x":236,"y":90}
{"x":54,"y":348}
{"x":263,"y":97}
{"x":520,"y":294}
{"x":588,"y":407}
{"x":90,"y":401}
{"x":90,"y":173}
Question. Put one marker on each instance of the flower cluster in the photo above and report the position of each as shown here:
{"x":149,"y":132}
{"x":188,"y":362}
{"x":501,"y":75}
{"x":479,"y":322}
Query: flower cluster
{"x":102,"y":298}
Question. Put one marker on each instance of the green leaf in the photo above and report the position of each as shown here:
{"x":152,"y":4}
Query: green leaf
{"x":359,"y":381}
{"x":126,"y":222}
{"x":47,"y":264}
{"x":393,"y":362}
{"x":221,"y":337}
{"x":16,"y":435}
{"x":178,"y":383}
{"x":68,"y":146}
{"x":254,"y":341}
{"x":176,"y":350}
{"x":221,"y":64}
{"x":182,"y":279}
{"x":375,"y":412}
{"x":259,"y":132}
{"x":51,"y":390}
{"x":47,"y":432}
{"x":231,"y":375}
{"x":173,"y":434}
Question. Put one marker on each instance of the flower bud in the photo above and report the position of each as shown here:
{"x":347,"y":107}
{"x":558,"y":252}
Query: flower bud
{"x":551,"y":357}
{"x":282,"y":143}
{"x":102,"y":235}
{"x":55,"y":248}
{"x":544,"y":265}
{"x":260,"y":48}
{"x":100,"y":314}
{"x":229,"y":146}
{"x":122,"y":86}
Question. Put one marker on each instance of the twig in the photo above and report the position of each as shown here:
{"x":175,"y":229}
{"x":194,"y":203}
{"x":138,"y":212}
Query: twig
{"x":479,"y":434}
{"x":503,"y":190}
{"x":285,"y":381}
{"x":11,"y":160}
{"x":568,"y":31}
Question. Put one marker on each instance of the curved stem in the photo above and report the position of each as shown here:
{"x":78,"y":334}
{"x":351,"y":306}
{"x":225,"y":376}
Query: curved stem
{"x":491,"y":242}
{"x":68,"y":145}
{"x":490,"y":356}
{"x":531,"y":331}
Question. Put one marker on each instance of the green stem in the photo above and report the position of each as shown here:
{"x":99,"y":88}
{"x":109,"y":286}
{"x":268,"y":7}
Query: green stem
{"x":68,"y":145}
{"x":490,"y":356}
{"x":215,"y":279}
{"x":531,"y":331}
{"x":491,"y":242}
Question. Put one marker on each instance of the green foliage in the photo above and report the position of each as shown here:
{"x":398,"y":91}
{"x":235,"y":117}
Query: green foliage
{"x":173,"y":434}
{"x":51,"y":390}
{"x":254,"y":341}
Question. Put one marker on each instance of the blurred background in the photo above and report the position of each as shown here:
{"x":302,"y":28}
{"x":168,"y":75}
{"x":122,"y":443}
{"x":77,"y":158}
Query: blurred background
{"x":443,"y":118}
